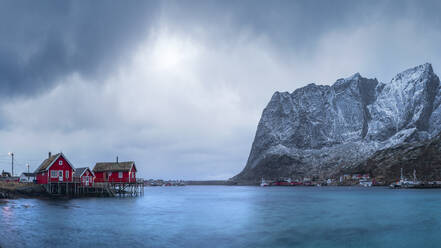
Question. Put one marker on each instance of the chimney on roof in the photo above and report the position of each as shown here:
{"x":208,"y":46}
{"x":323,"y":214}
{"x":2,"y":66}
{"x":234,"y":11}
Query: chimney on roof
{"x":49,"y":154}
{"x":116,"y":159}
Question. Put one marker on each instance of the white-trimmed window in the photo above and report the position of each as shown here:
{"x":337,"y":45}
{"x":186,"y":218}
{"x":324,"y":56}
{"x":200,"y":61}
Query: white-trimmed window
{"x":54,"y":174}
{"x":120,"y":174}
{"x":60,"y":162}
{"x":67,"y":174}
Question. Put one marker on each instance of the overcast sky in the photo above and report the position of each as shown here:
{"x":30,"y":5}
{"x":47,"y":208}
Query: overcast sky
{"x":179,"y":86}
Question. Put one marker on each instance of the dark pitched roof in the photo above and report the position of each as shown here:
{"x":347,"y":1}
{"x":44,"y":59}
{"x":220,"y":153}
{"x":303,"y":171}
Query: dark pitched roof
{"x":47,"y":162}
{"x":26,"y":174}
{"x":79,"y":171}
{"x":113,"y":166}
{"x":6,"y":174}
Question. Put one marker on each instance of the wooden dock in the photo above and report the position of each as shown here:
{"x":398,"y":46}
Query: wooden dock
{"x":99,"y":189}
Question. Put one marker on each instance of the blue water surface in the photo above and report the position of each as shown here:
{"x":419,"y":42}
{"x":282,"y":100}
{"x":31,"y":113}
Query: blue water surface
{"x":229,"y":216}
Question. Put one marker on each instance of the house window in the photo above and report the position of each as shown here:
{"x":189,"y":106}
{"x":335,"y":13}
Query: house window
{"x":67,"y":174}
{"x":60,"y":173}
{"x":54,"y":173}
{"x":60,"y":162}
{"x":120,"y":174}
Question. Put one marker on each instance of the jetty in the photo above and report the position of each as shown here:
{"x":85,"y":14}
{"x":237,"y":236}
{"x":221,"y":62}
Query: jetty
{"x":101,"y":189}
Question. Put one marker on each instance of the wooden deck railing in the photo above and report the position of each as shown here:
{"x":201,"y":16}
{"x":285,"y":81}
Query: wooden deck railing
{"x":119,"y":180}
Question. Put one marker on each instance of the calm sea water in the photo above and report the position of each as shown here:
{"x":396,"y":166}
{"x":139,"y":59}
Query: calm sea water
{"x":226,"y":216}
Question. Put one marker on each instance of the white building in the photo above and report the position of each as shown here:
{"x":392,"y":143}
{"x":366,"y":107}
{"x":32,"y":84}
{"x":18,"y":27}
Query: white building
{"x":27,"y":177}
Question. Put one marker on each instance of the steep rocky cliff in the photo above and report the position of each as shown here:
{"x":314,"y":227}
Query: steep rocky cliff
{"x":317,"y":130}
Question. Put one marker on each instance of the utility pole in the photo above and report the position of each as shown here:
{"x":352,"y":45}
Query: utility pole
{"x":28,"y":171}
{"x":12,"y":163}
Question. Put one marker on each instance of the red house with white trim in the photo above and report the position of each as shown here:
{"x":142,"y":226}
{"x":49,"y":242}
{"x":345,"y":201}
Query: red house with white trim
{"x":118,"y":172}
{"x":84,"y":175}
{"x":56,"y":168}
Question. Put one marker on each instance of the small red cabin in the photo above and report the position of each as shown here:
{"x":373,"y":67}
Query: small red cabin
{"x":56,"y":168}
{"x":124,"y":172}
{"x":84,"y":175}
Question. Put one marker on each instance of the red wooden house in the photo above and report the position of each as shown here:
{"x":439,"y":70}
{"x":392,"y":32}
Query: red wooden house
{"x":56,"y":168}
{"x":84,"y":175}
{"x":115,"y":172}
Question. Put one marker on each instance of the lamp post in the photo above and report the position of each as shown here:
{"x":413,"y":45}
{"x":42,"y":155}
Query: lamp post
{"x":12,"y":163}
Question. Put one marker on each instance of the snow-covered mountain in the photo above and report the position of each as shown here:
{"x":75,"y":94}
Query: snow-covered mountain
{"x":316,"y":130}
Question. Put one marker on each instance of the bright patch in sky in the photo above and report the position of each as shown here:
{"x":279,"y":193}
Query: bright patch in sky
{"x":168,"y":51}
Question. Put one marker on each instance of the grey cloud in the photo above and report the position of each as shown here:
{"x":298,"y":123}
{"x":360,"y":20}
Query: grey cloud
{"x":46,"y":40}
{"x":296,"y":25}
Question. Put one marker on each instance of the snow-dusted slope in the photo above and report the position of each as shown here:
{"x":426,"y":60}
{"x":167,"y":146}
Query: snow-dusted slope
{"x":406,"y":102}
{"x":317,"y":129}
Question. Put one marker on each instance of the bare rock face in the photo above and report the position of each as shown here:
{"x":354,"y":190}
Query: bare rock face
{"x":406,"y":102}
{"x":316,"y":130}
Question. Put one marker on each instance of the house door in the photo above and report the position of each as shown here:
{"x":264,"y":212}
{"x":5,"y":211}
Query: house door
{"x":60,"y":175}
{"x":87,"y":181}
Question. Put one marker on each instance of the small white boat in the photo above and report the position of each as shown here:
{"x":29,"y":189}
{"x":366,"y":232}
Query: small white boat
{"x":366,"y":183}
{"x":404,"y":183}
{"x":264,"y":183}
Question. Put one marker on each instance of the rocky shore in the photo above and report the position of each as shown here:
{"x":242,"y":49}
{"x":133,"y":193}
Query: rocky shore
{"x":12,"y":190}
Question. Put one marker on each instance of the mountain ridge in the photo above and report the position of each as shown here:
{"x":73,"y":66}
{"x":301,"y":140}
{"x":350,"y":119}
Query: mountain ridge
{"x":318,"y":129}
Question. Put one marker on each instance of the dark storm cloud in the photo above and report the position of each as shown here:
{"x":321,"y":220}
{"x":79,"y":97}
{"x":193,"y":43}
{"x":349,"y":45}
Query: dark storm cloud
{"x":297,"y":26}
{"x":45,"y":40}
{"x":42,"y":41}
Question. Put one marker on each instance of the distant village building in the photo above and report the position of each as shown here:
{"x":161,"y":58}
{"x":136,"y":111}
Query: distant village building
{"x":346,"y":177}
{"x":115,"y":172}
{"x":356,"y":176}
{"x":307,"y":179}
{"x":6,"y":177}
{"x":56,"y":168}
{"x":5,"y":174}
{"x":84,"y":175}
{"x":26,"y":177}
